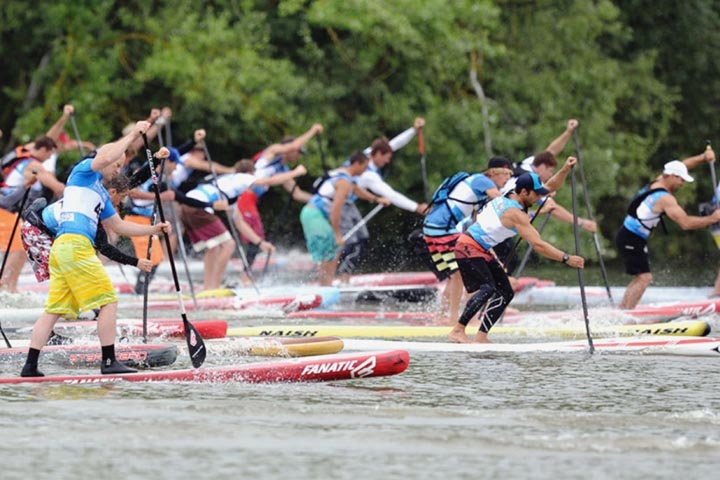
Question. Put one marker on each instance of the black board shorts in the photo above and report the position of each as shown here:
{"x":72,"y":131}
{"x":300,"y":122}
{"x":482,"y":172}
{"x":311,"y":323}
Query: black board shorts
{"x":634,"y":252}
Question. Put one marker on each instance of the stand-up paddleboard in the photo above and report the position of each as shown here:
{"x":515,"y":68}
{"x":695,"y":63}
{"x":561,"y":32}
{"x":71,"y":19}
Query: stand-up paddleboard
{"x":288,"y":302}
{"x":273,"y":346}
{"x":136,"y":355}
{"x":686,"y":346}
{"x":687,"y":328}
{"x":597,"y":295}
{"x":156,"y":327}
{"x":335,"y":314}
{"x":309,"y":369}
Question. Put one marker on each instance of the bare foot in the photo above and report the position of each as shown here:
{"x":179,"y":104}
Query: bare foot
{"x":458,"y":336}
{"x":481,"y":337}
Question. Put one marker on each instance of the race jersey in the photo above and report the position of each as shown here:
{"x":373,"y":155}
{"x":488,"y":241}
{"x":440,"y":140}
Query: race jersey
{"x":646,"y":219}
{"x":265,"y":168}
{"x":231,"y":185}
{"x":488,"y":230}
{"x":444,"y":217}
{"x":85,"y":202}
{"x":323,"y":199}
{"x":51,"y":216}
{"x":16,"y":177}
{"x":181,"y":172}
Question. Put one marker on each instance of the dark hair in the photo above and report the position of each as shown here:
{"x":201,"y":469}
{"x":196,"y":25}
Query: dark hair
{"x":45,"y":142}
{"x":545,"y":158}
{"x":381,"y":145}
{"x":244,"y":166}
{"x":358,"y":157}
{"x":120,"y":183}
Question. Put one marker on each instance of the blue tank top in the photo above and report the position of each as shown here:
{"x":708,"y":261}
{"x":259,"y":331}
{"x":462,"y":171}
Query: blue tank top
{"x":646,"y":219}
{"x":323,"y":199}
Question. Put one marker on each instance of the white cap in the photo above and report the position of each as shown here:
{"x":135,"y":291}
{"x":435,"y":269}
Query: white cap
{"x":678,"y":168}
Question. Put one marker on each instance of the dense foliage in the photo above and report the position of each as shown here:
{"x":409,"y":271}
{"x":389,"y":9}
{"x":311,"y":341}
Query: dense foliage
{"x":639,"y":75}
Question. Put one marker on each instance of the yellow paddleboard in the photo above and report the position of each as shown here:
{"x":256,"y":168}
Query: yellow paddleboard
{"x":274,"y":347}
{"x":684,"y":328}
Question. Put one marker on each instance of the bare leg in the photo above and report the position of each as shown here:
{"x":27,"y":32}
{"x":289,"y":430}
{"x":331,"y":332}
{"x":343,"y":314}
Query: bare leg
{"x":107,"y":324}
{"x":41,"y":330}
{"x":457,"y":334}
{"x":481,"y":337}
{"x":13,"y":267}
{"x":209,"y":262}
{"x":635,"y":290}
{"x":716,"y":290}
{"x":327,"y":272}
{"x":450,"y":300}
{"x":224,"y":256}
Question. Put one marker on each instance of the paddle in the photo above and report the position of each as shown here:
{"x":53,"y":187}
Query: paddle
{"x":231,"y":224}
{"x":362,"y":222}
{"x":708,"y":146}
{"x":77,"y":135}
{"x":195,"y":343}
{"x":581,"y":278}
{"x":586,"y":194}
{"x":423,"y":164}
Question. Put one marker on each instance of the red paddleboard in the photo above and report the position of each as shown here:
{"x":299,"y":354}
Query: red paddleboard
{"x":677,"y":309}
{"x":367,"y":315}
{"x":169,"y":327}
{"x":140,"y":355}
{"x":309,"y":369}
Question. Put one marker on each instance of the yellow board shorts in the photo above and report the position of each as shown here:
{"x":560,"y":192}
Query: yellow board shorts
{"x":78,"y":280}
{"x":7,"y":221}
{"x":142,"y":243}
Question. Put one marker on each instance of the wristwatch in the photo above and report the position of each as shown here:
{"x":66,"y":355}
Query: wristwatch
{"x":565,"y":258}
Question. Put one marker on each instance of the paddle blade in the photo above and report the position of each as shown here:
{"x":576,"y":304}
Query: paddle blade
{"x":195,"y":343}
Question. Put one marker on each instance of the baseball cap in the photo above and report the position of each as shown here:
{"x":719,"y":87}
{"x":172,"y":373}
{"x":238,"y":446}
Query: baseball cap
{"x":677,"y":168}
{"x":530,"y":181}
{"x":499,"y":162}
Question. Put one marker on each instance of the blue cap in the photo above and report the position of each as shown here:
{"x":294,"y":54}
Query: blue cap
{"x":174,"y":154}
{"x":530,"y":181}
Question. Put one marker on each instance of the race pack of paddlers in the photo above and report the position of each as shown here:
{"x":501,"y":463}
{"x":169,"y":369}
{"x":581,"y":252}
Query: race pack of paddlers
{"x":178,"y":192}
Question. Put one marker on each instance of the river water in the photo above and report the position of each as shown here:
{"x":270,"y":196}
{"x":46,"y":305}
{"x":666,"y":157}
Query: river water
{"x":450,"y":415}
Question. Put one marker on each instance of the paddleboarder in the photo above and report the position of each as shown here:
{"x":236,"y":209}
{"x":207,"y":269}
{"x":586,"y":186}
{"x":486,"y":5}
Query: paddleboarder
{"x":482,"y":273}
{"x":78,"y":280}
{"x":646,"y":211}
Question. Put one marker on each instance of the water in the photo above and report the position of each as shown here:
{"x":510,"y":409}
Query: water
{"x":450,"y":415}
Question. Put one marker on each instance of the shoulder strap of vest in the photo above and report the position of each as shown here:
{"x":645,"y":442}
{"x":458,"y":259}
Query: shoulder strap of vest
{"x":639,"y":198}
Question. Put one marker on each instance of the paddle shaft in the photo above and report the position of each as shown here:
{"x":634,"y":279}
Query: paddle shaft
{"x":423,"y":163}
{"x":195,"y":343}
{"x":77,"y":135}
{"x":708,"y":146}
{"x":231,"y":224}
{"x":581,"y":278}
{"x":362,"y":222}
{"x":596,"y":240}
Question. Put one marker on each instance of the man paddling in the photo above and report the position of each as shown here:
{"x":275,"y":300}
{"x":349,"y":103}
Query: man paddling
{"x":78,"y":280}
{"x":645,"y":212}
{"x":482,"y":273}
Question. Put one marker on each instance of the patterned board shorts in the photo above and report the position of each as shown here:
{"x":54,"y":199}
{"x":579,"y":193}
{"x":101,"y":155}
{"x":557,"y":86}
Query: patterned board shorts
{"x":442,"y":253}
{"x":37,"y":244}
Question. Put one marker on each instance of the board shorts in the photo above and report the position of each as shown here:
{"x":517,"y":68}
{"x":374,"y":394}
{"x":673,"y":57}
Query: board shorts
{"x":477,"y":266}
{"x":37,"y":244}
{"x":442,"y":254}
{"x":7,"y":222}
{"x":247,"y":206}
{"x":204,"y":229}
{"x":141,"y":243}
{"x":78,"y":279}
{"x":634,"y":252}
{"x":319,"y":234}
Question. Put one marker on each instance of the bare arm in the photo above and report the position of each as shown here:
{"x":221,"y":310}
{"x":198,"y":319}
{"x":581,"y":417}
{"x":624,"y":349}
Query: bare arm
{"x":561,"y":213}
{"x":518,"y":219}
{"x":58,"y":126}
{"x":134,"y":229}
{"x":557,"y":180}
{"x":297,"y":193}
{"x":204,"y":166}
{"x":46,"y":178}
{"x":672,"y":209}
{"x":113,"y":151}
{"x":281,"y":178}
{"x":558,"y":145}
{"x":707,"y":156}
{"x":342,"y":189}
{"x":299,"y":142}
